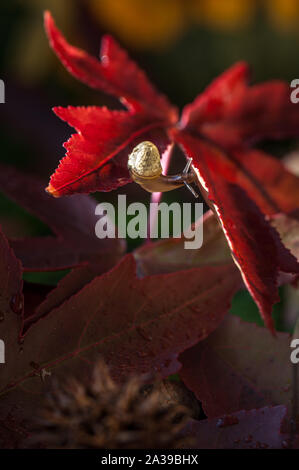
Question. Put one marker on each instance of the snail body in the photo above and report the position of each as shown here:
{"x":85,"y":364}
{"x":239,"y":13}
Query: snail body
{"x":144,"y":164}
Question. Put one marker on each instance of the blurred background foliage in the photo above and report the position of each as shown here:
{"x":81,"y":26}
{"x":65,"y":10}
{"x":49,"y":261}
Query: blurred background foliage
{"x":182,"y":45}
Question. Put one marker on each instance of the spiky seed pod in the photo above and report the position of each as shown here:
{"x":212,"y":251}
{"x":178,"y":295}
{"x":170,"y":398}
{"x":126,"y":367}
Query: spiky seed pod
{"x":103,"y":415}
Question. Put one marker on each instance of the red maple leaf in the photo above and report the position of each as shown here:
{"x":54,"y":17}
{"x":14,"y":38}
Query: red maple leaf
{"x":216,"y":130}
{"x":124,"y":322}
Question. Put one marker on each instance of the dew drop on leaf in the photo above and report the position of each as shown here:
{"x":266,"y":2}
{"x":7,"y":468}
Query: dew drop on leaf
{"x":16,"y":304}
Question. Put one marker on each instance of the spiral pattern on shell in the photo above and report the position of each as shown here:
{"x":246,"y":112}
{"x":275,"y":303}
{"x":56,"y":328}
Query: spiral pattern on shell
{"x":144,"y":160}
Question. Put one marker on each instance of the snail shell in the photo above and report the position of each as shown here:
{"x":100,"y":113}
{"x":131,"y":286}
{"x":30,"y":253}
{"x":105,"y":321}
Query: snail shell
{"x":144,"y":160}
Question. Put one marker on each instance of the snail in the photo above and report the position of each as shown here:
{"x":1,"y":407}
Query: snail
{"x":144,"y":164}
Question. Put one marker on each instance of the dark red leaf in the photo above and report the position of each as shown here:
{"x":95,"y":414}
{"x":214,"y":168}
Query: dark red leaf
{"x":69,"y":285}
{"x":164,"y":256}
{"x":254,"y":429}
{"x":16,"y":411}
{"x":11,"y":303}
{"x":13,"y":432}
{"x":49,"y":254}
{"x":11,"y":283}
{"x":255,"y":245}
{"x":240,"y":366}
{"x":34,"y":294}
{"x":72,"y":220}
{"x":137,"y":325}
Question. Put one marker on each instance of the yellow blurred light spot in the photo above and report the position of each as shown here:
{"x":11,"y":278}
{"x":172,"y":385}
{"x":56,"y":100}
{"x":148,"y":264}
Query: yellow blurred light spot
{"x":284,"y":14}
{"x":31,"y":57}
{"x":225,"y":14}
{"x":141,"y":23}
